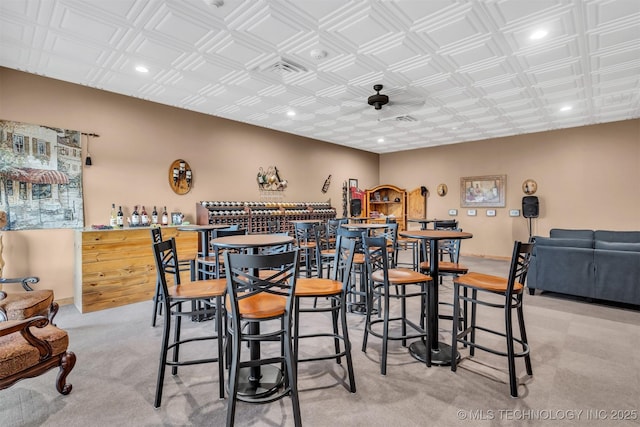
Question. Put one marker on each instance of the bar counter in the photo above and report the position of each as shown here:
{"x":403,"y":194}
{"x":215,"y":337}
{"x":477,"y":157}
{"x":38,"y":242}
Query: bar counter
{"x":115,"y":267}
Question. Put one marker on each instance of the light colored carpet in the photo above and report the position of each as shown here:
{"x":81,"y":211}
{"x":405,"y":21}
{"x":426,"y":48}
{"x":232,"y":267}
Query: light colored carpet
{"x":585,"y":361}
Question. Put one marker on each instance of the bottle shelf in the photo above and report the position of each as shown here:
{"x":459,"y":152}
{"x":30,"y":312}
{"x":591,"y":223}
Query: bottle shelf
{"x":262,"y":216}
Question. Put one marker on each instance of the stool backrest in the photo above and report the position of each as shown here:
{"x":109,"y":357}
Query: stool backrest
{"x":345,"y":250}
{"x":244,"y":281}
{"x":519,"y":268}
{"x":166,"y":259}
{"x":376,"y":256}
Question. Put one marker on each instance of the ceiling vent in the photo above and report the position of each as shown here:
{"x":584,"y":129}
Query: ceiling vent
{"x":405,"y":118}
{"x":283,"y":67}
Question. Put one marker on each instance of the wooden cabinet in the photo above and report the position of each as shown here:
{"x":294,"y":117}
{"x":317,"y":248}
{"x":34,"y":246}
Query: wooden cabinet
{"x":117,"y":267}
{"x":387,"y":201}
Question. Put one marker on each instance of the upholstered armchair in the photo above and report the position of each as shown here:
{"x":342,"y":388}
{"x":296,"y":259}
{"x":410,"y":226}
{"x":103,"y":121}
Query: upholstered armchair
{"x":31,"y":347}
{"x":24,"y":305}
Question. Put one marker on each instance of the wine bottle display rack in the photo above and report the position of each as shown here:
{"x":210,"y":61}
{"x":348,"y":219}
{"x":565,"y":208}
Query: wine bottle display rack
{"x":262,"y":217}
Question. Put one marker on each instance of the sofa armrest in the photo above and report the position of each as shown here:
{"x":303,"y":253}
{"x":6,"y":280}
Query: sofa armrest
{"x":26,"y":282}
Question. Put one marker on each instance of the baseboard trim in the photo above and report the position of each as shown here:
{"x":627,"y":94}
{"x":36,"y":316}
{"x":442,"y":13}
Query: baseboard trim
{"x":65,"y":301}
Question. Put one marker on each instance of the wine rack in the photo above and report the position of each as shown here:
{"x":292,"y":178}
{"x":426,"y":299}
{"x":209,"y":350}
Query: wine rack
{"x":262,"y":217}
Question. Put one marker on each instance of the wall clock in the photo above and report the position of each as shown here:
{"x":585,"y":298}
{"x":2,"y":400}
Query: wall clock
{"x":442,"y":190}
{"x":529,"y":186}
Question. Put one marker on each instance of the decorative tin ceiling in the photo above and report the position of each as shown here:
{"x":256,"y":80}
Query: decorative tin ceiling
{"x":454,"y":71}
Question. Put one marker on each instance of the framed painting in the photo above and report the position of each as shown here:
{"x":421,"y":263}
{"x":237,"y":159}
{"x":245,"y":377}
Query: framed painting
{"x":483,"y":191}
{"x":353,"y":183}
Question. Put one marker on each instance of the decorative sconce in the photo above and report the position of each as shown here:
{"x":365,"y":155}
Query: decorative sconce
{"x":88,"y":161}
{"x":180,"y":177}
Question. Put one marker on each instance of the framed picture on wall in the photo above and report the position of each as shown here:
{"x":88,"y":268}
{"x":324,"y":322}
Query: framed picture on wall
{"x":483,"y":191}
{"x":353,"y":183}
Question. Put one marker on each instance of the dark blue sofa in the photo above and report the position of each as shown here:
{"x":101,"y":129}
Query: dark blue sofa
{"x":597,"y":264}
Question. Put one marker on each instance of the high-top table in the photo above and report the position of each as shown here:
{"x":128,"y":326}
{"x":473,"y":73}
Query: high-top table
{"x":258,"y":381}
{"x":441,"y":353}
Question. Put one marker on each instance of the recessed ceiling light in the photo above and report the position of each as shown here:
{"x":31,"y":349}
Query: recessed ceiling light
{"x":538,"y":34}
{"x":291,"y":113}
{"x":142,"y":69}
{"x":566,"y":108}
{"x":380,"y":140}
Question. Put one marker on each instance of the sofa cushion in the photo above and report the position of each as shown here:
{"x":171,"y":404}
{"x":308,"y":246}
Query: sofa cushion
{"x":571,"y":234}
{"x":618,"y":246}
{"x":561,"y":242}
{"x":618,"y":236}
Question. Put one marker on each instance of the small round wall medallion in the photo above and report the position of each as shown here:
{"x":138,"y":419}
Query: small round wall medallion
{"x":442,"y":190}
{"x":529,"y":186}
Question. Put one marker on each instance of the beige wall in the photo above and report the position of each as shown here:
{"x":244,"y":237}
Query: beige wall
{"x":131,"y":158}
{"x":587,"y":178}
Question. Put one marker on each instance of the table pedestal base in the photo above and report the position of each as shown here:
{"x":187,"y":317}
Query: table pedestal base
{"x":270,"y":380}
{"x":440,"y":357}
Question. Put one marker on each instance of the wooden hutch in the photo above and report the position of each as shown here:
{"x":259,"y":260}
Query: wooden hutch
{"x":386,"y":200}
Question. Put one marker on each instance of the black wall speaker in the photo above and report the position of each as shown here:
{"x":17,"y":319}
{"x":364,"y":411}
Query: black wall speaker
{"x":530,"y":207}
{"x":356,"y":207}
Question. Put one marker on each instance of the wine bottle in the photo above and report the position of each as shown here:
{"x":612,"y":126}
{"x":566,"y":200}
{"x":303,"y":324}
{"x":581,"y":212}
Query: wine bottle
{"x":165,"y":217}
{"x":144,"y":218}
{"x":120,"y":218}
{"x":135,"y":217}
{"x":154,"y":216}
{"x":113,"y":221}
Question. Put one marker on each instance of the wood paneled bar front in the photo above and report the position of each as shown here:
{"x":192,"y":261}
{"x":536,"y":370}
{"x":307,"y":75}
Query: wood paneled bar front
{"x":116,"y":267}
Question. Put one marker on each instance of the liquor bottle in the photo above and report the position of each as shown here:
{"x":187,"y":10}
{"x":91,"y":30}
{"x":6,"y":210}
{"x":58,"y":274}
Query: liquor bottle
{"x":165,"y":217}
{"x":144,"y":218}
{"x":120,"y":218}
{"x":154,"y":216}
{"x":135,"y":217}
{"x":113,"y":221}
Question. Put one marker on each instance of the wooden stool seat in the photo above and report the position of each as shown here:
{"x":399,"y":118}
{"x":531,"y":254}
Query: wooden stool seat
{"x":260,"y":306}
{"x":487,"y":282}
{"x":199,"y":289}
{"x":399,"y":276}
{"x":446,"y":267}
{"x":312,"y":287}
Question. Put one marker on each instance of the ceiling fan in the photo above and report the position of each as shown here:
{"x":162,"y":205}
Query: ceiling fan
{"x":394,"y":108}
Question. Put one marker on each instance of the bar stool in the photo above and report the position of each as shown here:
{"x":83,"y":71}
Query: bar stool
{"x":381,"y":277}
{"x":306,"y":239}
{"x":335,"y":289}
{"x":511,"y":291}
{"x":356,"y":288}
{"x":448,"y":266}
{"x":205,"y":297}
{"x":252,"y":300}
{"x":211,"y":265}
{"x":183,"y":265}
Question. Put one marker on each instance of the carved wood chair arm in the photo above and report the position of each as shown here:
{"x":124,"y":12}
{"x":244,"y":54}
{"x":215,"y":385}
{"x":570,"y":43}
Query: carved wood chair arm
{"x":23,"y":326}
{"x":26,"y":281}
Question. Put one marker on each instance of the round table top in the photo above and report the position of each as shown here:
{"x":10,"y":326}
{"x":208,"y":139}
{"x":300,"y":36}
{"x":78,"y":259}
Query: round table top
{"x":251,"y":240}
{"x":306,"y":221}
{"x":202,"y":227}
{"x":363,"y":226}
{"x":435,"y":234}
